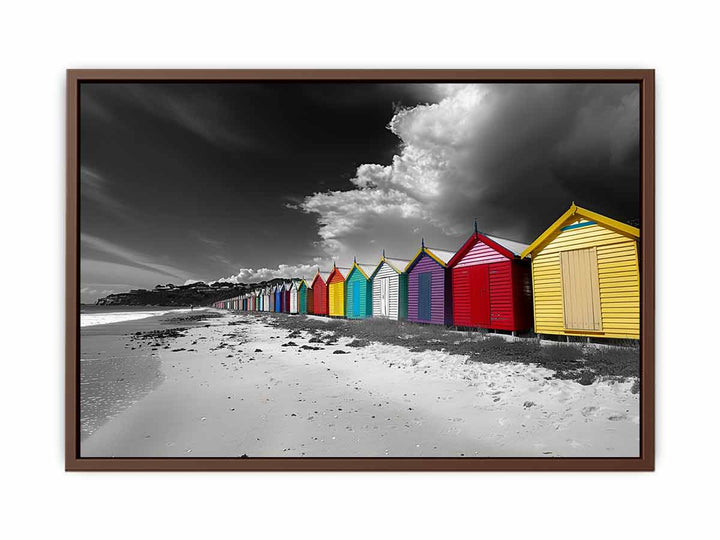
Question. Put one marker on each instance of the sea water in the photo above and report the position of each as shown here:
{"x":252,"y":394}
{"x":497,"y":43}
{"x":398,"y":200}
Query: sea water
{"x":94,"y":315}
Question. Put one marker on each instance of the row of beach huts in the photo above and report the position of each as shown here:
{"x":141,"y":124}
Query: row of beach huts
{"x":579,"y":278}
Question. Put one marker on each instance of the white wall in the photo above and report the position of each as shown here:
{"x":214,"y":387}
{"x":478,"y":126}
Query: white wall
{"x":38,"y":43}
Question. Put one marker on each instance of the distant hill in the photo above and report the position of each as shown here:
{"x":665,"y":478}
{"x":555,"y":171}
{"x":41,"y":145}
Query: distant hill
{"x":195,"y":294}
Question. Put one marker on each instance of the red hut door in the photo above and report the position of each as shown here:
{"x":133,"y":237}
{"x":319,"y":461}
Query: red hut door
{"x":480,"y":307}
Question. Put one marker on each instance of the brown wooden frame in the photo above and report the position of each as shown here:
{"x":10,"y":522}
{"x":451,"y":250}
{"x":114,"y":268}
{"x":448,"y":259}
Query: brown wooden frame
{"x":646,"y":462}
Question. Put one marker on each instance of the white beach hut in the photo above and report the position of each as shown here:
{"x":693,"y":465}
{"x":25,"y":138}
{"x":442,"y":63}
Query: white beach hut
{"x":389,"y":289}
{"x":294,"y":304}
{"x":266,"y":299}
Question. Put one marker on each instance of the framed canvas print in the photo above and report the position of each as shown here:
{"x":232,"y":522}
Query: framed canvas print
{"x":360,"y":270}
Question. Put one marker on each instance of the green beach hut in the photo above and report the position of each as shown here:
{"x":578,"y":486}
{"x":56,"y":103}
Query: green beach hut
{"x":305,"y":298}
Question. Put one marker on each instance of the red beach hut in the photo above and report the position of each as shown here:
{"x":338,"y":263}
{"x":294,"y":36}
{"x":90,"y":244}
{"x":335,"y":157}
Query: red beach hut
{"x":491,"y":285}
{"x":319,"y":295}
{"x":285,"y":294}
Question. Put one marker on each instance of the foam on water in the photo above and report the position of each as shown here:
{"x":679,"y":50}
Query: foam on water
{"x":93,"y":319}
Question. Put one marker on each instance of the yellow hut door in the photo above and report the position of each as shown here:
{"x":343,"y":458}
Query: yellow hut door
{"x":581,"y":290}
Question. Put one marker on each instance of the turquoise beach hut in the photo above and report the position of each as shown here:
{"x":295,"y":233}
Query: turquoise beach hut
{"x":358,"y":292}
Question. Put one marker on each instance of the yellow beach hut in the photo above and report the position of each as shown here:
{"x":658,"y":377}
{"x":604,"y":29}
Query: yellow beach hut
{"x":585,"y":277}
{"x":336,"y":293}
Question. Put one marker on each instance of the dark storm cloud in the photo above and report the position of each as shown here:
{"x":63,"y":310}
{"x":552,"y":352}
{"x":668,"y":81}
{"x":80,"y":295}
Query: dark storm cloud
{"x":544,"y":146}
{"x":512,"y":156}
{"x":203,"y":181}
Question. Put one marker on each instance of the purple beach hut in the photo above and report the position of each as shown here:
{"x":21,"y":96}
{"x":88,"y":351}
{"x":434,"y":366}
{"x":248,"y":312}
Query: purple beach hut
{"x":429,"y":287}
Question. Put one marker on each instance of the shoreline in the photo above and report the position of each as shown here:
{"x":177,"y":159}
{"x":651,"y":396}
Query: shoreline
{"x":100,"y":317}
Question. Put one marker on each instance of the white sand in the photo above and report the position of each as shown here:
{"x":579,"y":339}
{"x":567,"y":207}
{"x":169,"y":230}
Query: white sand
{"x":379,"y":400}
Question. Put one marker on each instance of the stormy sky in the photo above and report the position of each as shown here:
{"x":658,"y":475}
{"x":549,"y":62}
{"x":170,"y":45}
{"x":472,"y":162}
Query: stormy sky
{"x":247,"y":181}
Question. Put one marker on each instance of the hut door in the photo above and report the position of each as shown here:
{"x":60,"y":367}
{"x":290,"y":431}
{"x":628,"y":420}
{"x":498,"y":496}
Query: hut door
{"x":581,"y":289}
{"x":356,"y":299}
{"x":424,"y":296}
{"x":385,"y":297}
{"x":481,"y":305}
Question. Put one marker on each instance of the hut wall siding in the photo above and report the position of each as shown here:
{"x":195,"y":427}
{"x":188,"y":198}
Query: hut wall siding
{"x":386,"y":272}
{"x":403,"y":296}
{"x":336,"y":299}
{"x":522,"y":295}
{"x":310,"y":297}
{"x":302,"y":298}
{"x":619,"y":281}
{"x":440,"y":307}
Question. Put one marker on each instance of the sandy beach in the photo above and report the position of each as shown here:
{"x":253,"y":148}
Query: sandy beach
{"x":225,"y":384}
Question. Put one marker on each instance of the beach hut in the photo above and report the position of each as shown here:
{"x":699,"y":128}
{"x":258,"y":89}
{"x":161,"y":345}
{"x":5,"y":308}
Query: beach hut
{"x":336,"y":293}
{"x":286,"y":297}
{"x":258,"y":300}
{"x":305,"y":298}
{"x":389,"y":289}
{"x":277,"y":293}
{"x":429,"y":290}
{"x":320,"y":295}
{"x":266,"y":299}
{"x":294,"y":299}
{"x":491,"y":284}
{"x":358,"y":292}
{"x":585,"y":277}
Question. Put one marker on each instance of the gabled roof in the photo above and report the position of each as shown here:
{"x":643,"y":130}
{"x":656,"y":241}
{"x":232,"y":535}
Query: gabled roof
{"x":504,"y":246}
{"x":513,"y":246}
{"x":575,"y":212}
{"x":395,"y":264}
{"x":364,"y":269}
{"x":334,"y":271}
{"x":317,"y":276}
{"x":440,"y":256}
{"x":288,"y":285}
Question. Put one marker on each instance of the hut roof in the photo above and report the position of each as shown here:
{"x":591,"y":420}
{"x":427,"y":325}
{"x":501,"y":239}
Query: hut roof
{"x":441,"y":256}
{"x":365,"y":269}
{"x":337,"y":270}
{"x":509,"y":248}
{"x":396,"y":264}
{"x":317,"y":276}
{"x":576,"y":211}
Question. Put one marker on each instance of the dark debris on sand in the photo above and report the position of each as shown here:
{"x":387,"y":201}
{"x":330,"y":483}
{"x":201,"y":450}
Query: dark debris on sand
{"x":158,"y":335}
{"x":195,"y":317}
{"x":576,"y":361}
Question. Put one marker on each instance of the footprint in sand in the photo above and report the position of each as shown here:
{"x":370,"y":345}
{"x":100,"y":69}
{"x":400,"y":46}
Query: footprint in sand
{"x":588,"y":411}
